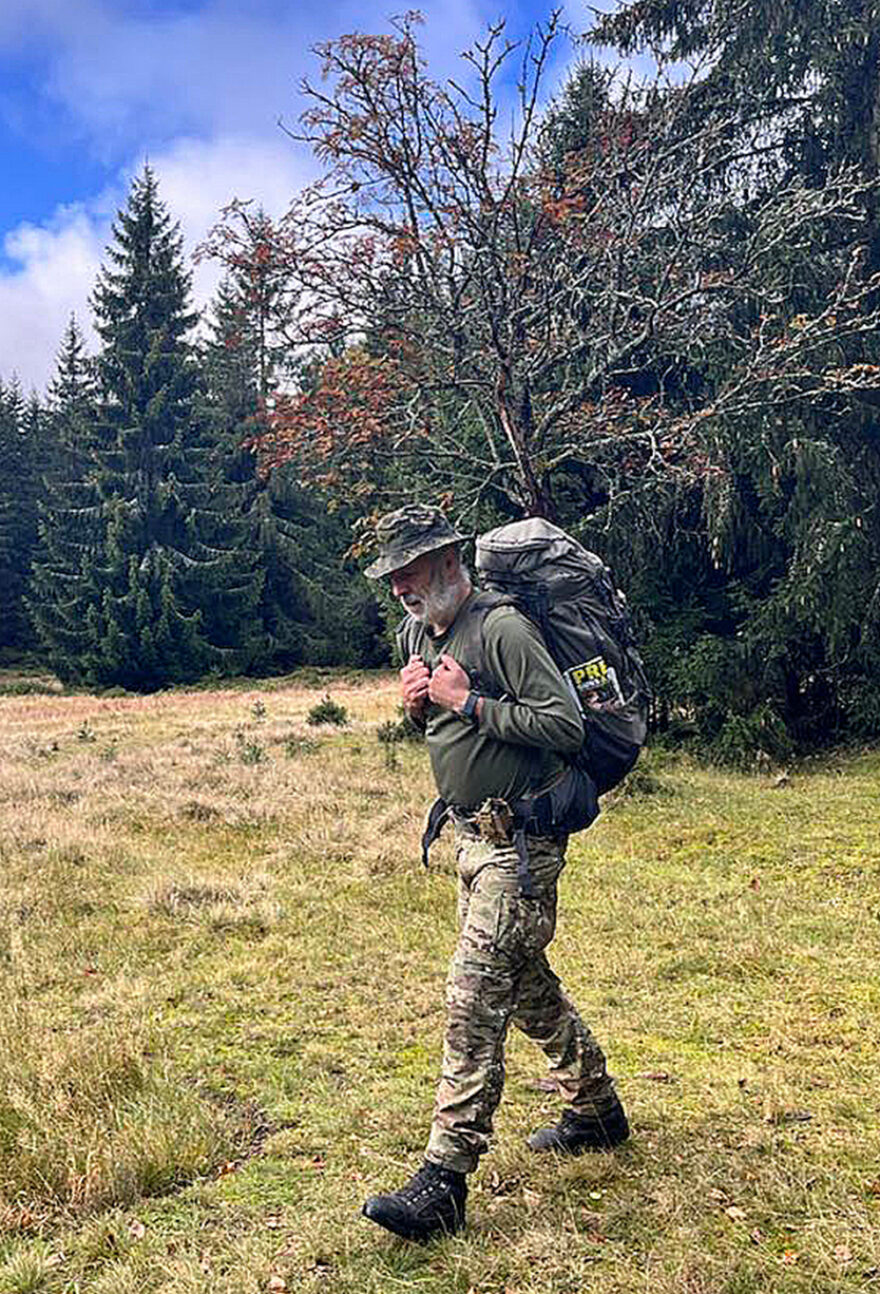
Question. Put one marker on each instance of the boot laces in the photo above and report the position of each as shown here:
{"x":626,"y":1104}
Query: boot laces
{"x":427,"y":1184}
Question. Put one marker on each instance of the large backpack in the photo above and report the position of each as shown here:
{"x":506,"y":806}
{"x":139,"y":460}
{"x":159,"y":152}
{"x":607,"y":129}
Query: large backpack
{"x":568,"y":592}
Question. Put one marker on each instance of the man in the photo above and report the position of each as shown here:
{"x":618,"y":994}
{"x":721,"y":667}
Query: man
{"x":499,"y":721}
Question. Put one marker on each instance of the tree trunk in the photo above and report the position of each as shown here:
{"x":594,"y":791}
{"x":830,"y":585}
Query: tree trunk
{"x":536,"y":497}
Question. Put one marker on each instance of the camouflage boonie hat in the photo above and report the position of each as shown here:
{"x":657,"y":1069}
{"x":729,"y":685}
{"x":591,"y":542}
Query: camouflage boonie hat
{"x":406,"y":534}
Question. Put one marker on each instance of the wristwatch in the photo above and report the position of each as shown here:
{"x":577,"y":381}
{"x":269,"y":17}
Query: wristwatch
{"x":469,"y":709}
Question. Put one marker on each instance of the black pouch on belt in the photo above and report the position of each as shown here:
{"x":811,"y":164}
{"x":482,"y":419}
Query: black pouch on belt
{"x":569,"y":806}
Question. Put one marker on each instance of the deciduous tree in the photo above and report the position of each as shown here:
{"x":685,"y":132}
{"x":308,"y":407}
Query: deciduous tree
{"x":534,"y":326}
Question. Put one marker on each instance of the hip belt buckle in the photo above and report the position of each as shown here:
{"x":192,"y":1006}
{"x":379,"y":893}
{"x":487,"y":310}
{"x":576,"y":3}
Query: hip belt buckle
{"x":494,"y":822}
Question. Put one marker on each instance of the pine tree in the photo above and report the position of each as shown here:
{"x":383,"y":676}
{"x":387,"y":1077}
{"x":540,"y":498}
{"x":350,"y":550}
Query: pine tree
{"x":32,"y":500}
{"x":170,"y":589}
{"x":230,"y":368}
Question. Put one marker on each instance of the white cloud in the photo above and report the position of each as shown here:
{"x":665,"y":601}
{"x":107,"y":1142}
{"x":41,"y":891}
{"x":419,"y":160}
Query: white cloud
{"x":197,"y":179}
{"x":226,"y":67}
{"x":200,"y":93}
{"x":54,"y":267}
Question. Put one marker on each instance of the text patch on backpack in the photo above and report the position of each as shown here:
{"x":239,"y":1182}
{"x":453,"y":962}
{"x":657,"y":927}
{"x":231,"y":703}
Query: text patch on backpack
{"x":595,"y":685}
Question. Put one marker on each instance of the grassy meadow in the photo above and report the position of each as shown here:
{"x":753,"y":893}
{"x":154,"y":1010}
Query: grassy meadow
{"x":222,"y":969}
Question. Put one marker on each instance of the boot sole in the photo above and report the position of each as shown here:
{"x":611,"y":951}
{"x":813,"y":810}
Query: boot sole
{"x":586,"y":1148}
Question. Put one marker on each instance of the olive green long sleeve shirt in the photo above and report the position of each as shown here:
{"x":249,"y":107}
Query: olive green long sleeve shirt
{"x":517,"y":746}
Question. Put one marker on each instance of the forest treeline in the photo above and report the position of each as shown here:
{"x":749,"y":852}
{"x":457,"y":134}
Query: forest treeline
{"x":648,"y":311}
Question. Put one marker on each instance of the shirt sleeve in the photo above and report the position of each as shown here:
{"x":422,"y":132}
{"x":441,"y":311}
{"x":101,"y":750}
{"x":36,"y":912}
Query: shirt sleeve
{"x":538,"y":708}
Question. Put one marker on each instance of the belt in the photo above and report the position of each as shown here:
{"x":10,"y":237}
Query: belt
{"x":569,"y":805}
{"x":496,"y":822}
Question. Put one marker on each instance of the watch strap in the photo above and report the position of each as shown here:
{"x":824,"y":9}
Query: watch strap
{"x":469,"y":708}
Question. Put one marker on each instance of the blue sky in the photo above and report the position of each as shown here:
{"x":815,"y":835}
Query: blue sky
{"x":89,"y":89}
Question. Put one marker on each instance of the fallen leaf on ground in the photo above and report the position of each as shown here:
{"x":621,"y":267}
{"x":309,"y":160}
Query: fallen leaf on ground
{"x":655,"y":1075}
{"x":843,"y":1254}
{"x":756,"y":1236}
{"x":735,"y":1212}
{"x":277,"y":1283}
{"x":790,"y":1256}
{"x":499,"y":1185}
{"x":136,"y":1229}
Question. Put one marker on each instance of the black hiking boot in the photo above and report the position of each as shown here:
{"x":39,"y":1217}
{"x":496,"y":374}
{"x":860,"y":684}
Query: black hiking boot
{"x":431,"y":1202}
{"x":576,"y":1133}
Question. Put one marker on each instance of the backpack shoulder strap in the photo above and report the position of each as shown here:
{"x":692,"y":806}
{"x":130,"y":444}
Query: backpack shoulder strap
{"x":406,"y":637}
{"x":471,"y":640}
{"x":410,"y":637}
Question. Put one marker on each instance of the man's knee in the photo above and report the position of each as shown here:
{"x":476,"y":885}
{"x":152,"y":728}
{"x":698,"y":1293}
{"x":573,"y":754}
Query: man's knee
{"x":480,"y":996}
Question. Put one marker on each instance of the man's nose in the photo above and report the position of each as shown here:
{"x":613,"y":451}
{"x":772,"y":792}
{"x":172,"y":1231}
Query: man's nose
{"x":398,"y":585}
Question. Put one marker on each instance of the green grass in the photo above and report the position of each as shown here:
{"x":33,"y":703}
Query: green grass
{"x":222,"y":984}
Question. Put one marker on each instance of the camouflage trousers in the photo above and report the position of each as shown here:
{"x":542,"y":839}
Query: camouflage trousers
{"x":500,"y":975}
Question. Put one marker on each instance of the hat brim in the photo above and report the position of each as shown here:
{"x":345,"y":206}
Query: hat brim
{"x":388,"y":565}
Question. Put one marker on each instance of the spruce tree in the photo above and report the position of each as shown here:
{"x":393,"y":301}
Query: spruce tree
{"x":169,"y":588}
{"x":310,"y":609}
{"x":71,"y":522}
{"x":22,"y":466}
{"x":789,"y":509}
{"x":12,"y":468}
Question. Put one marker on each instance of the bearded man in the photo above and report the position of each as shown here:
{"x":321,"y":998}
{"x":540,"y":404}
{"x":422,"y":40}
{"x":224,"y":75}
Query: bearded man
{"x":500,"y":722}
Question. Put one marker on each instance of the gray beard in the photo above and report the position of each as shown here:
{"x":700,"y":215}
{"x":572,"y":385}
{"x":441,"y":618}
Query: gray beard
{"x":439,"y":603}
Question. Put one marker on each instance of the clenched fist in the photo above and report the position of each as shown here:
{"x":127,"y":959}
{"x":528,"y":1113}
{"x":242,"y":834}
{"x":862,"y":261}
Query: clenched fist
{"x":449,"y":684}
{"x":414,"y":680}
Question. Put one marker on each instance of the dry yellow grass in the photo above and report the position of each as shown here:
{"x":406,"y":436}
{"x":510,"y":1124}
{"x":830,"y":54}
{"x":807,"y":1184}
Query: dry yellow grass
{"x":222,"y":969}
